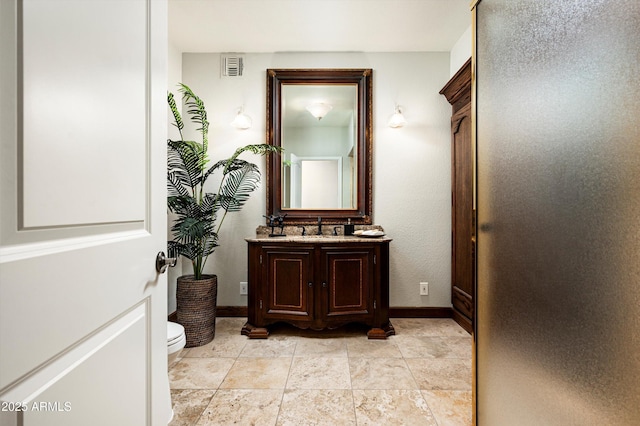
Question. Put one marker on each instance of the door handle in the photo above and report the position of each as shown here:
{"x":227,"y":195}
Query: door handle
{"x":486,"y":227}
{"x":163,"y":262}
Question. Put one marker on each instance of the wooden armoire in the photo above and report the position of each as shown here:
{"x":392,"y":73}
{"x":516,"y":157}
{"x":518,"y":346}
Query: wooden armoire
{"x":463,"y":264}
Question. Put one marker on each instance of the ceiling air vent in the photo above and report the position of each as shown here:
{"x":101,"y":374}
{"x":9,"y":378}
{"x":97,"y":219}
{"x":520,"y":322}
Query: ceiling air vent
{"x":232,"y":65}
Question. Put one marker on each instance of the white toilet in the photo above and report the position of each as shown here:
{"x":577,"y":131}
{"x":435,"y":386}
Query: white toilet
{"x":176,"y":340}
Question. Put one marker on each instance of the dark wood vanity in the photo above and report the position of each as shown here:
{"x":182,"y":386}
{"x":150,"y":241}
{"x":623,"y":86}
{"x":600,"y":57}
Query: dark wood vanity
{"x":319,"y":283}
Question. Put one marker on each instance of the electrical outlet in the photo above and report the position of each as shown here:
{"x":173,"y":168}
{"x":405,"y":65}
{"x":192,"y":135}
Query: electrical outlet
{"x":424,"y":289}
{"x":244,"y":288}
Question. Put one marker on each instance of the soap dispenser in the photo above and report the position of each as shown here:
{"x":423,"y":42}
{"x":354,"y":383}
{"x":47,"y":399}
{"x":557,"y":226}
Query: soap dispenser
{"x":348,"y":228}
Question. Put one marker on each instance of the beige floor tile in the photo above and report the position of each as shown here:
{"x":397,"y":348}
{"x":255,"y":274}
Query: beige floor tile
{"x":319,"y":373}
{"x":380,"y":373}
{"x":242,"y":407}
{"x":257,"y":373}
{"x":434,"y":347}
{"x":268,"y":348}
{"x":347,"y":331}
{"x":229,"y":326}
{"x":199,"y":373}
{"x":222,"y":346}
{"x":423,"y":347}
{"x":427,"y":327}
{"x":188,"y":405}
{"x":450,"y":408}
{"x":365,"y":348}
{"x":178,"y":358}
{"x":332,"y":347}
{"x":284,"y":338}
{"x":461,"y":347}
{"x":441,"y":374}
{"x":392,"y":407}
{"x":316,"y":407}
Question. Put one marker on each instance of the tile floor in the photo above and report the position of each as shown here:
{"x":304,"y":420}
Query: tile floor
{"x":420,"y":376}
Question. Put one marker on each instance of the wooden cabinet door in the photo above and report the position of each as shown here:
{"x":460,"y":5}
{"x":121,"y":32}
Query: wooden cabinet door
{"x":347,"y":289}
{"x":288,"y":274}
{"x":458,"y":93}
{"x":463,"y":259}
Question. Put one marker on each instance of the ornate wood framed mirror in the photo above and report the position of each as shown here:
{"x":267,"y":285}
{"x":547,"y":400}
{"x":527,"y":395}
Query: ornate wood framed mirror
{"x":322,"y":120}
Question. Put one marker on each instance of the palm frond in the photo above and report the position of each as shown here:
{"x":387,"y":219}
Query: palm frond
{"x":226,"y":202}
{"x":184,"y":159}
{"x":192,"y":251}
{"x":242,"y":178}
{"x":198,"y":113}
{"x":183,"y":205}
{"x":229,"y":163}
{"x":210,"y":245}
{"x":216,"y":166}
{"x":191,"y":229}
{"x":177,"y":118}
{"x":258,"y":149}
{"x":175,"y":186}
{"x":210,"y":204}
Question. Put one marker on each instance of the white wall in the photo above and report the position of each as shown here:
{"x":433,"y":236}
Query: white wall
{"x":411,"y":165}
{"x":460,"y":52}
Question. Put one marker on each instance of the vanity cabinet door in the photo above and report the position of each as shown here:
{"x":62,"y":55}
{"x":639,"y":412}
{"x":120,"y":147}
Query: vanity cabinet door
{"x":288,"y":293}
{"x":347,"y":284}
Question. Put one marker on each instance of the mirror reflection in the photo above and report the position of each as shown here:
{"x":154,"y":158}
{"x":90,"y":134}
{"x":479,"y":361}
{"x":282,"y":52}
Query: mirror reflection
{"x":319,"y":137}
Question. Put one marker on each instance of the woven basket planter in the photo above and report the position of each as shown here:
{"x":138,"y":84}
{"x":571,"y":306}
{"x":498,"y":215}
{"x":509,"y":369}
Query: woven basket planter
{"x":196,"y":308}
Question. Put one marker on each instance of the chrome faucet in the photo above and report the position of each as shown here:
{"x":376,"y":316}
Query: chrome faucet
{"x":319,"y":225}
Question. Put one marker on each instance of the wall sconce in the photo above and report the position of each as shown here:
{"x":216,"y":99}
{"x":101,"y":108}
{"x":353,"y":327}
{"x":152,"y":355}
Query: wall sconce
{"x":242,"y":120}
{"x":319,"y":109}
{"x":397,"y":119}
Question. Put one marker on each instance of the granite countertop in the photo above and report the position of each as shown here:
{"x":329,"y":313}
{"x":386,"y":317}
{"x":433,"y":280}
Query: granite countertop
{"x":293,"y":234}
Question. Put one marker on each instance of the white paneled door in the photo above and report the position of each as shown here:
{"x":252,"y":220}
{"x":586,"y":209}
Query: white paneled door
{"x":83,"y":212}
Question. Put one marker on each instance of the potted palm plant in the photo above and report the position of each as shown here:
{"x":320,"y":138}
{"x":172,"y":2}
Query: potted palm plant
{"x":199,"y":214}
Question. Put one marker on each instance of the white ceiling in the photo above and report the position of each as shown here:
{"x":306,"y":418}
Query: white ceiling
{"x":317,"y":25}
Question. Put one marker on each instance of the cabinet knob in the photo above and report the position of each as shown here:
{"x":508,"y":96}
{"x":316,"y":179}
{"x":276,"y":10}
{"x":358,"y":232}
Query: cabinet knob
{"x":310,"y":284}
{"x":324,"y":285}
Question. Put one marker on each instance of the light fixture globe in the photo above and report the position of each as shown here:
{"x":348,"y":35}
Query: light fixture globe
{"x":397,"y":119}
{"x":242,"y":120}
{"x":319,"y":109}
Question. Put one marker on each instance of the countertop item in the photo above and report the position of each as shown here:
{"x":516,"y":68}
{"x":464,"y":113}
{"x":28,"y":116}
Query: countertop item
{"x":294,"y":234}
{"x":370,"y":233}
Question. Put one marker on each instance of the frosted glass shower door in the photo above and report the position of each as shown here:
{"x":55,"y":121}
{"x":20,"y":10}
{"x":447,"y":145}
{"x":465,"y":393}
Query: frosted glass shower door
{"x":558,"y":184}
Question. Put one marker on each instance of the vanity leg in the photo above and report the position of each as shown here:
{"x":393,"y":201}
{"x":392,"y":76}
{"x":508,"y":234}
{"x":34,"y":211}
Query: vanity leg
{"x":254,"y":332}
{"x":381,"y":333}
